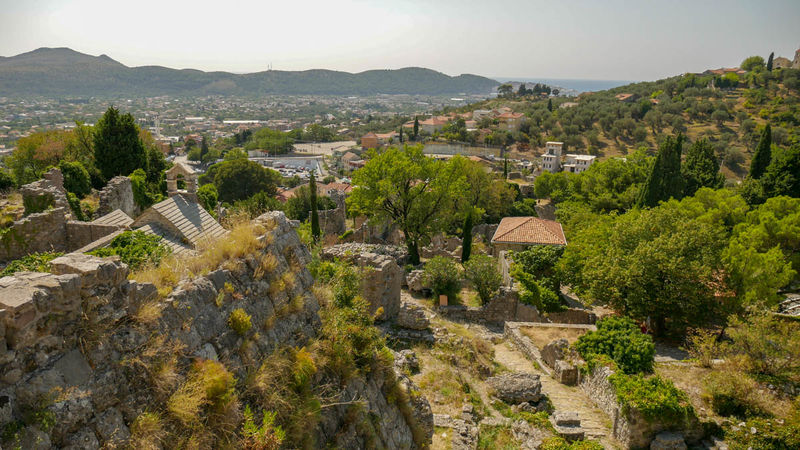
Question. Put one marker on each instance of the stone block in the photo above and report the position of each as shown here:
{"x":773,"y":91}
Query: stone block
{"x":412,"y":316}
{"x":566,"y":373}
{"x":554,"y":351}
{"x":516,"y":387}
{"x":668,"y":440}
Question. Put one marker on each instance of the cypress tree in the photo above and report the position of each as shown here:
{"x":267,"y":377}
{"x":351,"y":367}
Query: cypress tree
{"x":762,"y":155}
{"x":769,"y":61}
{"x":312,"y":185}
{"x":505,"y":167}
{"x":701,"y":168}
{"x":466,"y":237}
{"x":664,"y":180}
{"x":203,"y":147}
{"x":401,"y":134}
{"x":416,"y":127}
{"x":550,"y":104}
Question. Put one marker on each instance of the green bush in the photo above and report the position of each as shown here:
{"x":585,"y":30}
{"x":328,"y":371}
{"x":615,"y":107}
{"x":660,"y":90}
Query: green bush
{"x":559,"y":443}
{"x":76,"y":178}
{"x":481,"y":271}
{"x":37,"y":204}
{"x":346,"y":285}
{"x":540,"y":262}
{"x":621,"y":340}
{"x":733,"y":394}
{"x":35,"y":262}
{"x":6,"y":180}
{"x":266,"y":436}
{"x":136,"y":249}
{"x":207,"y":197}
{"x":143,"y":195}
{"x":239,"y":321}
{"x":533,"y":293}
{"x":769,"y":435}
{"x":75,"y":206}
{"x":257,"y":205}
{"x":654,"y":397}
{"x":442,"y":275}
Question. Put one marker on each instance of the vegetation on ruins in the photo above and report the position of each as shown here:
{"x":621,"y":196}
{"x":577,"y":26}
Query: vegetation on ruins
{"x":621,"y":340}
{"x":443,"y":276}
{"x":136,"y":249}
{"x":34,"y":262}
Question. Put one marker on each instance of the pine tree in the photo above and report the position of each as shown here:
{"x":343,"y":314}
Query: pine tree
{"x":762,"y":155}
{"x":769,"y":61}
{"x":701,"y":168}
{"x":466,"y":238}
{"x":118,"y":150}
{"x":664,"y":180}
{"x":312,"y":185}
{"x":416,"y":127}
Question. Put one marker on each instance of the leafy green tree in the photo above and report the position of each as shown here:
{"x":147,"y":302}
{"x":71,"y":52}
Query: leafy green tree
{"x":442,"y":275}
{"x":257,"y":205}
{"x":664,"y":181}
{"x":298,"y":207}
{"x":6,"y":180}
{"x":701,"y":168}
{"x":241,"y":178}
{"x":203,"y":147}
{"x":312,"y":187}
{"x":505,"y":90}
{"x":753,"y":63}
{"x":118,"y":149}
{"x":540,"y":261}
{"x":482,"y":273}
{"x":207,"y":197}
{"x":762,"y":155}
{"x":783,"y":173}
{"x":76,"y":178}
{"x":414,"y":191}
{"x":620,"y":339}
{"x":35,"y":153}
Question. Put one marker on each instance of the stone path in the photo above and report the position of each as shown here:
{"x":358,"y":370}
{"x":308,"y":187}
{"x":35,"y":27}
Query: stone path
{"x":564,"y":398}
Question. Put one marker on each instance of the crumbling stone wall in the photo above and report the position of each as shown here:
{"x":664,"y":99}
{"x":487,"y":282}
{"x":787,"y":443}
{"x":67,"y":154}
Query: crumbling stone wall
{"x":40,"y":232}
{"x":629,"y":426}
{"x":72,"y":343}
{"x":118,"y":194}
{"x":505,"y":306}
{"x":44,"y":193}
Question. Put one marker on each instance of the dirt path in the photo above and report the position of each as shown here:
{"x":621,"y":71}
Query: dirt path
{"x":563,"y":398}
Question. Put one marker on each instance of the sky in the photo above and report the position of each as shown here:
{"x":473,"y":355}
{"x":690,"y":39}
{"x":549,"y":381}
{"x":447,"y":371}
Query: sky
{"x":583,"y":39}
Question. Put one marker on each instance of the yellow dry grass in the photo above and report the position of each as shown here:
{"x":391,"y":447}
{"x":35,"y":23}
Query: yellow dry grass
{"x":541,"y":336}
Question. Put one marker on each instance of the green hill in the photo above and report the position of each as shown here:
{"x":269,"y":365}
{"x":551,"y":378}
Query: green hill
{"x":62,"y":72}
{"x":729,"y":113}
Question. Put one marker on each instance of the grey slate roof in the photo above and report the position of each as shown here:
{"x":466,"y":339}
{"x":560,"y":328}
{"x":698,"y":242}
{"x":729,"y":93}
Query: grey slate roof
{"x":168,"y":239}
{"x":115,"y":217}
{"x":183,"y":218}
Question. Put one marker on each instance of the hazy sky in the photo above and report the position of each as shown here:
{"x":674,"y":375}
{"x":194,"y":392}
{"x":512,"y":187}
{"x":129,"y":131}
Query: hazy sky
{"x":600,"y":39}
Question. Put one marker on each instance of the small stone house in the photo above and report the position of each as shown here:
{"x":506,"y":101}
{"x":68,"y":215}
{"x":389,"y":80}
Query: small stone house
{"x":519,"y":233}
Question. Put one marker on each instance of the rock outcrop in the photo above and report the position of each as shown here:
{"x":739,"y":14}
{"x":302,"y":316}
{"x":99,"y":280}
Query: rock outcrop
{"x":516,"y":387}
{"x":80,"y":347}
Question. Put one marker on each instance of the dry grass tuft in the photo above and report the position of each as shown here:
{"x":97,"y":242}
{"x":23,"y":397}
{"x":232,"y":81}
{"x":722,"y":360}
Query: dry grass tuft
{"x":147,"y":432}
{"x":266,"y":265}
{"x":148,"y":312}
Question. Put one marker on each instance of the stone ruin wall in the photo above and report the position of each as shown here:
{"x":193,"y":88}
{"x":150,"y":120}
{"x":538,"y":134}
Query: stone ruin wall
{"x":118,"y":194}
{"x":70,"y":342}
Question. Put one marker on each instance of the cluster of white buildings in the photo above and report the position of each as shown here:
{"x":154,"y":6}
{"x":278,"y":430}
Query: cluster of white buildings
{"x":551,"y":160}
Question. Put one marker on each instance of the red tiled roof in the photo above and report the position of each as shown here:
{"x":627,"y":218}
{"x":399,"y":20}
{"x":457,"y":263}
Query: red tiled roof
{"x":343,"y":187}
{"x":529,"y":230}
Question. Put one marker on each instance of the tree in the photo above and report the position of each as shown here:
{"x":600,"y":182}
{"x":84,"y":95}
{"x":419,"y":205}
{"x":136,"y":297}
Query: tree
{"x":241,"y":178}
{"x":783,"y":173}
{"x":207,"y":196}
{"x":414,"y":191}
{"x":416,"y":127}
{"x":550,"y":104}
{"x":762,"y":155}
{"x":482,"y":273}
{"x":505,"y":167}
{"x":76,"y":178}
{"x":298,"y":207}
{"x":401,"y":134}
{"x":664,"y":181}
{"x":466,"y":238}
{"x":769,"y":61}
{"x":203,"y":147}
{"x":753,"y":63}
{"x":312,"y":187}
{"x":118,"y":149}
{"x":505,"y":90}
{"x":701,"y":168}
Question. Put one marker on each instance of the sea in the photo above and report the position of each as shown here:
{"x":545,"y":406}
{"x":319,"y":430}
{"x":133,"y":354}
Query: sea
{"x":573,"y":84}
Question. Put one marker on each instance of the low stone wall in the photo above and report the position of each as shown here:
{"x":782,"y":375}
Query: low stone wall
{"x":505,"y":306}
{"x":560,"y":372}
{"x":573,"y":316}
{"x":40,"y":232}
{"x":80,"y":234}
{"x":629,"y":427}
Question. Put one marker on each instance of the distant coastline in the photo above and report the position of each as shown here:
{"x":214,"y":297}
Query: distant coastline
{"x":575,"y":84}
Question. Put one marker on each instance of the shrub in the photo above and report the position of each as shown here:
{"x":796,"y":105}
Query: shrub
{"x":207,"y":197}
{"x":346,"y":285}
{"x":142,"y":194}
{"x":703,"y":346}
{"x":620,"y":339}
{"x":441,"y":274}
{"x":75,"y":206}
{"x":6,"y":180}
{"x":540,"y":262}
{"x":266,"y":436}
{"x":76,"y":178}
{"x":37,"y":204}
{"x":533,"y":293}
{"x":770,"y":434}
{"x":481,"y":271}
{"x":654,"y":397}
{"x":733,"y":393}
{"x":136,"y":249}
{"x":34,"y":262}
{"x":239,"y":321}
{"x":768,"y":347}
{"x":559,"y":443}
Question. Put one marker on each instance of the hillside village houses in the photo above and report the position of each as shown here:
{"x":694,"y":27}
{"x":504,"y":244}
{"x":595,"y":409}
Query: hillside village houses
{"x":551,"y":160}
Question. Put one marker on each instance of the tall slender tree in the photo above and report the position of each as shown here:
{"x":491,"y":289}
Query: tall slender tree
{"x":769,"y":61}
{"x":550,"y":104}
{"x":665,"y":180}
{"x":762,"y":155}
{"x":505,"y":166}
{"x":401,"y":134}
{"x":466,"y":237}
{"x":312,"y":185}
{"x":416,"y":127}
{"x":701,"y":168}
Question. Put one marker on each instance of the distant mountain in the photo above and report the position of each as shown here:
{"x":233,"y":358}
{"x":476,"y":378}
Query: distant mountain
{"x":65,"y":72}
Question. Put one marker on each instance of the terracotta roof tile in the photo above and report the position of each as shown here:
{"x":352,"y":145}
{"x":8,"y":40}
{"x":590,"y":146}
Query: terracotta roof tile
{"x":529,"y":230}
